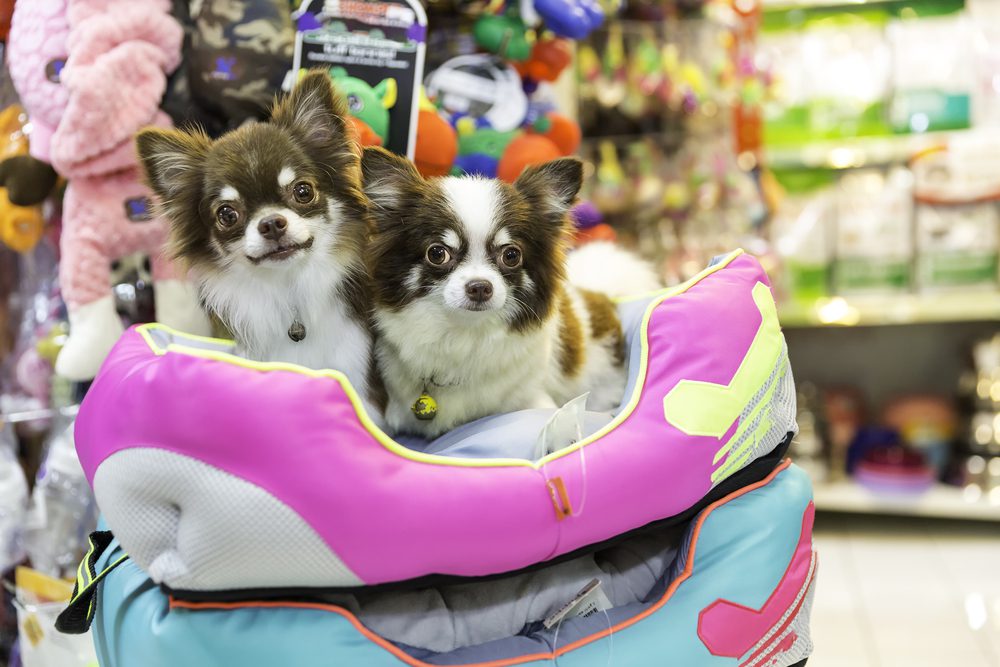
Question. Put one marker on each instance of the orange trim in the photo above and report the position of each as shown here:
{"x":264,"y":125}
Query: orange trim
{"x":560,"y":498}
{"x":413,"y":662}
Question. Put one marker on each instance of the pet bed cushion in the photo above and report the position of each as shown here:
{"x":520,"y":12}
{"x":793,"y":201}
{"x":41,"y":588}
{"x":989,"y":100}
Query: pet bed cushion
{"x":734,"y":587}
{"x":211,"y":469}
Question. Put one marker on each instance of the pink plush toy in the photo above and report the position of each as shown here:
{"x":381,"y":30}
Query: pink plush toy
{"x":91,"y":73}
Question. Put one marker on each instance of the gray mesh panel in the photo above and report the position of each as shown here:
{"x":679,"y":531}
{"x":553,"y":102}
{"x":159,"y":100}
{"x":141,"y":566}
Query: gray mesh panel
{"x":781,"y":410}
{"x":194,"y":527}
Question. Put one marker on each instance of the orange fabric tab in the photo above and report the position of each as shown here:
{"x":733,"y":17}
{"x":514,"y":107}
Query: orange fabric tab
{"x":560,"y":499}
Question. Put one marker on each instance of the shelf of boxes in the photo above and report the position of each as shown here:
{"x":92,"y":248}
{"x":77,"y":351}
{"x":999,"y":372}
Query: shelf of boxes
{"x":966,"y":306}
{"x":856,"y":152}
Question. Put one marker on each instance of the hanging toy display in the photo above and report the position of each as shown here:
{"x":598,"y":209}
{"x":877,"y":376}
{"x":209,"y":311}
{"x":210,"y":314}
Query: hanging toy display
{"x":610,"y":193}
{"x":499,"y":101}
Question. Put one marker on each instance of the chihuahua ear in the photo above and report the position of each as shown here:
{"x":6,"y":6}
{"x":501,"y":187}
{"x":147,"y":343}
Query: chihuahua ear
{"x":172,"y":160}
{"x":555,"y":183}
{"x":314,"y":109}
{"x":386,"y":176}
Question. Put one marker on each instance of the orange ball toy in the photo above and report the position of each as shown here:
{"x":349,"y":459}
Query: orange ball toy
{"x":549,"y":57}
{"x":525,"y":150}
{"x":363,"y":134}
{"x":437,"y":145}
{"x":563,"y":132}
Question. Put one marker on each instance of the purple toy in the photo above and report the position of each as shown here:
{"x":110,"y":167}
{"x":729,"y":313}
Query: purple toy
{"x":586,"y":215}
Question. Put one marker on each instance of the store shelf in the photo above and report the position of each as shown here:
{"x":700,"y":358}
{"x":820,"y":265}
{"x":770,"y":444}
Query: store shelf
{"x":904,"y":7}
{"x":966,"y":306}
{"x":41,"y":413}
{"x":855,"y":152}
{"x":941,"y":501}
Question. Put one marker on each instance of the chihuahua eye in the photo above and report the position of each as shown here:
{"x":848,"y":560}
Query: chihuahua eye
{"x":227,"y":215}
{"x":303,"y":193}
{"x":510,"y":256}
{"x":438,"y":255}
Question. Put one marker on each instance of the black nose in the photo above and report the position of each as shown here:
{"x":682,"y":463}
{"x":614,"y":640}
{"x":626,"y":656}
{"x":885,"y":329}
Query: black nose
{"x":479,"y":290}
{"x":272,"y":227}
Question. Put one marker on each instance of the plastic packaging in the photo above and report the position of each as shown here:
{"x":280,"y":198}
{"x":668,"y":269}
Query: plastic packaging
{"x":63,"y":511}
{"x":13,"y":501}
{"x":40,"y":599}
{"x":933,"y":74}
{"x":874,"y":246}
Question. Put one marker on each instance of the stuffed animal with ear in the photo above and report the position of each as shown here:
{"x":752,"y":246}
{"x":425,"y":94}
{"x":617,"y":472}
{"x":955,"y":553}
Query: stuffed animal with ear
{"x":369,"y":104}
{"x":91,"y":73}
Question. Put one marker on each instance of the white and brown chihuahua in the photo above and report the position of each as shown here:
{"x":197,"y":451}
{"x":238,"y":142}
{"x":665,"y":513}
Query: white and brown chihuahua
{"x":272,"y":221}
{"x":473,"y":310}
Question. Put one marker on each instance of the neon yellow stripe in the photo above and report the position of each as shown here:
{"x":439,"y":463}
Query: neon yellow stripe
{"x":734,"y":464}
{"x":394,"y":446}
{"x":82,"y":571}
{"x":745,"y":424}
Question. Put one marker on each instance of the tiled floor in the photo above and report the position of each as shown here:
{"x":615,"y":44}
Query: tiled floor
{"x":906,"y":593}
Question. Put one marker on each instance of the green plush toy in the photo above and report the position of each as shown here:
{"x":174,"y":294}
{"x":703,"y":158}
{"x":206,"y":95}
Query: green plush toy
{"x":367,"y":104}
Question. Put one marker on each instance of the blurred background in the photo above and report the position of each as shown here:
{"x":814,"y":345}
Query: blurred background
{"x":853,"y":146}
